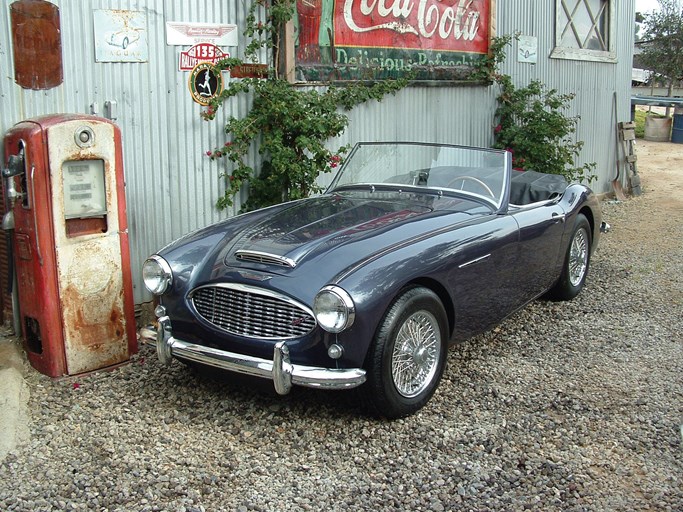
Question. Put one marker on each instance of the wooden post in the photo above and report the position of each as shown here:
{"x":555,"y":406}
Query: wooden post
{"x":289,"y":58}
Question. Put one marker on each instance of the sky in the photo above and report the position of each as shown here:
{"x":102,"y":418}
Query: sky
{"x":646,"y":5}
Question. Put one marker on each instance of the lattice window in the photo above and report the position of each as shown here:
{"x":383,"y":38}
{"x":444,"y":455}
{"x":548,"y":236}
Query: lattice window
{"x":584,"y":30}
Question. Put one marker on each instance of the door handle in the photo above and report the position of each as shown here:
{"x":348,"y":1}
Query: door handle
{"x":559,"y":217}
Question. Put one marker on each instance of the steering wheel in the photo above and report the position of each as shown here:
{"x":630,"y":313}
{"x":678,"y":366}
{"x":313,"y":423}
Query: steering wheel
{"x":476,"y":180}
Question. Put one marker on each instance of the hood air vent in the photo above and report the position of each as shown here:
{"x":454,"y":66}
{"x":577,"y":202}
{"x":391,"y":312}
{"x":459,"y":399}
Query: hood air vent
{"x":265,"y":258}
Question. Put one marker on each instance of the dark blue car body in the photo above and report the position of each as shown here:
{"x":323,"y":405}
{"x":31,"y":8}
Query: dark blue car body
{"x":481,"y":259}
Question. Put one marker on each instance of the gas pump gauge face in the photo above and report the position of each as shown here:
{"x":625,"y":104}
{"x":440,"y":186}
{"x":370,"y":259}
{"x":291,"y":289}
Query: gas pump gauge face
{"x":84,"y":189}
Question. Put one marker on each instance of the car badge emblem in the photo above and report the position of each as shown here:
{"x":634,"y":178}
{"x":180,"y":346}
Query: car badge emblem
{"x":254,"y":276}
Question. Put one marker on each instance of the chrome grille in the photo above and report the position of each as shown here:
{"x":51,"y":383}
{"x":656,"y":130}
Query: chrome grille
{"x":252,"y":312}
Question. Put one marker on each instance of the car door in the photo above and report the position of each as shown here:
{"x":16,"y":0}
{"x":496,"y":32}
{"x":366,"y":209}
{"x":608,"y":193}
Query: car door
{"x":481,"y":276}
{"x":541,"y":229}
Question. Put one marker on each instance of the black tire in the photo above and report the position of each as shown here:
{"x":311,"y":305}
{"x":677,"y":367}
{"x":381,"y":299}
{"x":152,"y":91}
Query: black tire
{"x":418,"y":310}
{"x":576,"y":262}
{"x":124,"y":45}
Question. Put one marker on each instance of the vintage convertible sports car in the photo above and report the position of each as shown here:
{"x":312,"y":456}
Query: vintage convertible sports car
{"x":413,"y":246}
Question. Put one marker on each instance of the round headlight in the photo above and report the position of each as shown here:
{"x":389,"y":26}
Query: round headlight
{"x":157,"y":274}
{"x":334,"y":309}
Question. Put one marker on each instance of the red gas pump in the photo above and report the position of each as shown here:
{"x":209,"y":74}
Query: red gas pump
{"x":67,"y":216}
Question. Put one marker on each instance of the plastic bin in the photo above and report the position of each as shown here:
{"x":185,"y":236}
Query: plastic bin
{"x":677,"y":131}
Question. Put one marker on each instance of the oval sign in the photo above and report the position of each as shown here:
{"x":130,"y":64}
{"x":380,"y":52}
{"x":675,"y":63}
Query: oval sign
{"x":206,"y":82}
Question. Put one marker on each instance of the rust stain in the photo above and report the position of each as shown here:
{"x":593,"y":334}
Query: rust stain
{"x":109,"y":191}
{"x":94,"y":328}
{"x":37,"y":42}
{"x":87,"y":226}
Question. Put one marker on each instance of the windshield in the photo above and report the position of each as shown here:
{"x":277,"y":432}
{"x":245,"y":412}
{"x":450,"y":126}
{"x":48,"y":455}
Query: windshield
{"x":478,"y":172}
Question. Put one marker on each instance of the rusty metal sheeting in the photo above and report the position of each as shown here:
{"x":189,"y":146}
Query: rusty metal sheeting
{"x":37,"y":43}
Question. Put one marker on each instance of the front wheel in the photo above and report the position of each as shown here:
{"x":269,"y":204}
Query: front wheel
{"x":576,"y":263}
{"x":408,"y":354}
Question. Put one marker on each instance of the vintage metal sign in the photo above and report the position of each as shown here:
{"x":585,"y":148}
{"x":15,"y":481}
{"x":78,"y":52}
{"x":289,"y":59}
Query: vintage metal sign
{"x":202,"y":52}
{"x":249,"y":71}
{"x":182,"y":33}
{"x":371,"y":39}
{"x":205,"y":83}
{"x":527,"y":49}
{"x":36,"y":38}
{"x":120,"y":36}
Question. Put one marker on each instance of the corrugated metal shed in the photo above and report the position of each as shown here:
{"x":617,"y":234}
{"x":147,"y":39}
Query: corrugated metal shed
{"x":172,"y":187}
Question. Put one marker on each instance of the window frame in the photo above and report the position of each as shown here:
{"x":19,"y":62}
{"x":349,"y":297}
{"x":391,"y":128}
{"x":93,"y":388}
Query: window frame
{"x":570,"y":53}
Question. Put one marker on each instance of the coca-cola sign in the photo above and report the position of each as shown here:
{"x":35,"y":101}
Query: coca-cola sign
{"x":350,"y":39}
{"x":418,"y":24}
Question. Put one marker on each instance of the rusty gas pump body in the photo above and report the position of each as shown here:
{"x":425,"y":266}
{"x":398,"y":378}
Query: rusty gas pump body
{"x":67,"y":217}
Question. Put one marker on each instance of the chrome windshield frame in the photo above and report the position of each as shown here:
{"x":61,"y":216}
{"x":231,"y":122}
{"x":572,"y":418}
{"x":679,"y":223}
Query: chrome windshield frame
{"x":497,"y":200}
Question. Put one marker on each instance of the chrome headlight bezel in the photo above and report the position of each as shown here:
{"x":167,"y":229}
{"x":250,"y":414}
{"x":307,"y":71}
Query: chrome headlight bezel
{"x":157,"y":274}
{"x":334,"y":309}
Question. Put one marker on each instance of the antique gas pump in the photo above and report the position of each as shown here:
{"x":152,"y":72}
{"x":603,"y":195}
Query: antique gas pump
{"x":67,"y":216}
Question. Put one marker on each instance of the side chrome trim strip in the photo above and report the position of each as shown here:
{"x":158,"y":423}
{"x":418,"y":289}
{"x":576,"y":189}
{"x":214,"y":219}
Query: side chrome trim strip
{"x":476,"y":260}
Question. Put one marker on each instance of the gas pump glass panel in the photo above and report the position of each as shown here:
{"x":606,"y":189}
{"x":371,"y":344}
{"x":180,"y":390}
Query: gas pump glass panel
{"x":84,"y":189}
{"x":412,"y":246}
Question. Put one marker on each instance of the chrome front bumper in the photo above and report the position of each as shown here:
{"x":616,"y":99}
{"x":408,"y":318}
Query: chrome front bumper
{"x":280,"y":370}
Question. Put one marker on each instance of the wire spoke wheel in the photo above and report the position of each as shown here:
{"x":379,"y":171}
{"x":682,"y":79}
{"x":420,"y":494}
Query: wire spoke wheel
{"x":408,"y":355}
{"x":416,"y":353}
{"x":576,"y":263}
{"x":578,"y":257}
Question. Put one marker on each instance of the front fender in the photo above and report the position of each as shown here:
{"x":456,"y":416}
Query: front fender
{"x":436,"y":262}
{"x":581,"y":199}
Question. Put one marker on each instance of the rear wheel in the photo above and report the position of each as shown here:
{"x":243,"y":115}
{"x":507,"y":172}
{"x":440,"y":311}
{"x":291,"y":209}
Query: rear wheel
{"x":408,"y":355}
{"x":577,"y":262}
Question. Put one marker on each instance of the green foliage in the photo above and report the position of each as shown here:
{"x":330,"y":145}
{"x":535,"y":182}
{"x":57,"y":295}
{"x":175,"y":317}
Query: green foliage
{"x":487,"y":69}
{"x":290,"y":125}
{"x":662,"y":42}
{"x":639,"y":119}
{"x":533,"y":126}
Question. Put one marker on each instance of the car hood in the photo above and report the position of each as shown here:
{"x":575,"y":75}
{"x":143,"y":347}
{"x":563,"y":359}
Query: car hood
{"x":309,"y":228}
{"x":302,"y":245}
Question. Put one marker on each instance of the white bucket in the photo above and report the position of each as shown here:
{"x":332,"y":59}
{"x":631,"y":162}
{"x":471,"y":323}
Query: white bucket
{"x":657,"y":129}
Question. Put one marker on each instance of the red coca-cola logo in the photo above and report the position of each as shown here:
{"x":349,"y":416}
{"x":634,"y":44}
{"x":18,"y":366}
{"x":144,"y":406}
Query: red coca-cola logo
{"x":447,"y":25}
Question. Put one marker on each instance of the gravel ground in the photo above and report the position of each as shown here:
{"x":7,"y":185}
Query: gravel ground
{"x":566,"y":406}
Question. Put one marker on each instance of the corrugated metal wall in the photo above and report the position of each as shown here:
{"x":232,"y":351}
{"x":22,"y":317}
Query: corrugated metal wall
{"x":464,"y":115}
{"x":172,"y":187}
{"x":594,"y":83}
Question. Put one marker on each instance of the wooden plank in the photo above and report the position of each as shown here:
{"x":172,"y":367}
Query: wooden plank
{"x":628,"y":134}
{"x":289,"y":57}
